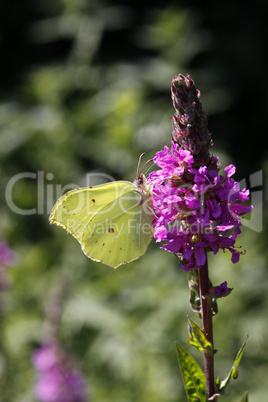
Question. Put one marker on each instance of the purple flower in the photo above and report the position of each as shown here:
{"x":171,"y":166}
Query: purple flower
{"x":220,"y":291}
{"x":7,"y":256}
{"x":197,"y":210}
{"x":58,"y":379}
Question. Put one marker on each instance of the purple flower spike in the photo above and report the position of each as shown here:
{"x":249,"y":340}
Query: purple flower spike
{"x":198,"y":216}
{"x":197,"y":210}
{"x":58,"y":380}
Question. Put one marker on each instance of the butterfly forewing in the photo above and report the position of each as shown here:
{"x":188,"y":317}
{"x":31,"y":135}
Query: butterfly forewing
{"x":75,"y":209}
{"x":112,"y":222}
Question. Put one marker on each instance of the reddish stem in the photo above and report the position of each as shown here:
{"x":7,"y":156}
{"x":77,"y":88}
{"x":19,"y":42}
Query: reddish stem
{"x":207,"y":325}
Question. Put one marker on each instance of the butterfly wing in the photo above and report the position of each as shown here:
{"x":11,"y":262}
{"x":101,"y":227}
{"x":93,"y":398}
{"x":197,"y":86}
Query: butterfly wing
{"x":75,"y":209}
{"x":112,"y":222}
{"x":121,"y":235}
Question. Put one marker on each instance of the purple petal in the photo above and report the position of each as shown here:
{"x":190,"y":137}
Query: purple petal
{"x":235,"y":256}
{"x":187,"y":253}
{"x":239,"y":209}
{"x":230,"y":170}
{"x":200,"y":256}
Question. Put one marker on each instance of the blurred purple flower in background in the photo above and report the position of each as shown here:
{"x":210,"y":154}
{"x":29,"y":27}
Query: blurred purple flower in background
{"x":58,"y":379}
{"x":7,"y":255}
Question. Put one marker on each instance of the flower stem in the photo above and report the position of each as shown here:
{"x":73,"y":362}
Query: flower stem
{"x":207,"y":326}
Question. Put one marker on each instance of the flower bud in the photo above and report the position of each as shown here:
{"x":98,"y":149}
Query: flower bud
{"x":189,"y":121}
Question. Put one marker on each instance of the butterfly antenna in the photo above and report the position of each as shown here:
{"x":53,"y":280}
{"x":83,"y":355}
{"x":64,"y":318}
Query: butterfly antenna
{"x":149,"y":168}
{"x":146,"y":163}
{"x":138,"y":167}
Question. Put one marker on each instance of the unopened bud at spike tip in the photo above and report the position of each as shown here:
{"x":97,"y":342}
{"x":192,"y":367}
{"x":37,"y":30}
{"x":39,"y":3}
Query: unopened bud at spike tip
{"x":189,"y":121}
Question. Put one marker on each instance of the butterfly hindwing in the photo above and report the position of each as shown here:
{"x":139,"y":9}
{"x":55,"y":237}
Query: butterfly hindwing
{"x":120,"y":235}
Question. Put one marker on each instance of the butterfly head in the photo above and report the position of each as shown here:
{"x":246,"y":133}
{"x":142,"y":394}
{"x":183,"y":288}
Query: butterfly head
{"x":143,"y":188}
{"x":140,"y":180}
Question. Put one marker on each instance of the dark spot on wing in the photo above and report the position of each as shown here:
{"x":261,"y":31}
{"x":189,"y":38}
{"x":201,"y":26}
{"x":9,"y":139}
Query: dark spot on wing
{"x":103,"y":244}
{"x":111,"y":230}
{"x":93,"y":200}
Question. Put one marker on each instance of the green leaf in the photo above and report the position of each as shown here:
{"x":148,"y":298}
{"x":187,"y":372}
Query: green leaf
{"x":197,"y":337}
{"x":193,"y":377}
{"x":221,"y":385}
{"x":194,"y":291}
{"x":195,"y":301}
{"x":245,"y":397}
{"x":214,"y":306}
{"x":194,"y":294}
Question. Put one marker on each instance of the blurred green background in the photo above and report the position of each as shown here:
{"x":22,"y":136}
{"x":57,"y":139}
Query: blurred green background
{"x":85,"y":88}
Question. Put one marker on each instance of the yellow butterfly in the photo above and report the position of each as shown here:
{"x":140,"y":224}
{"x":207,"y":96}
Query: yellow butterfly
{"x":112,"y":221}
